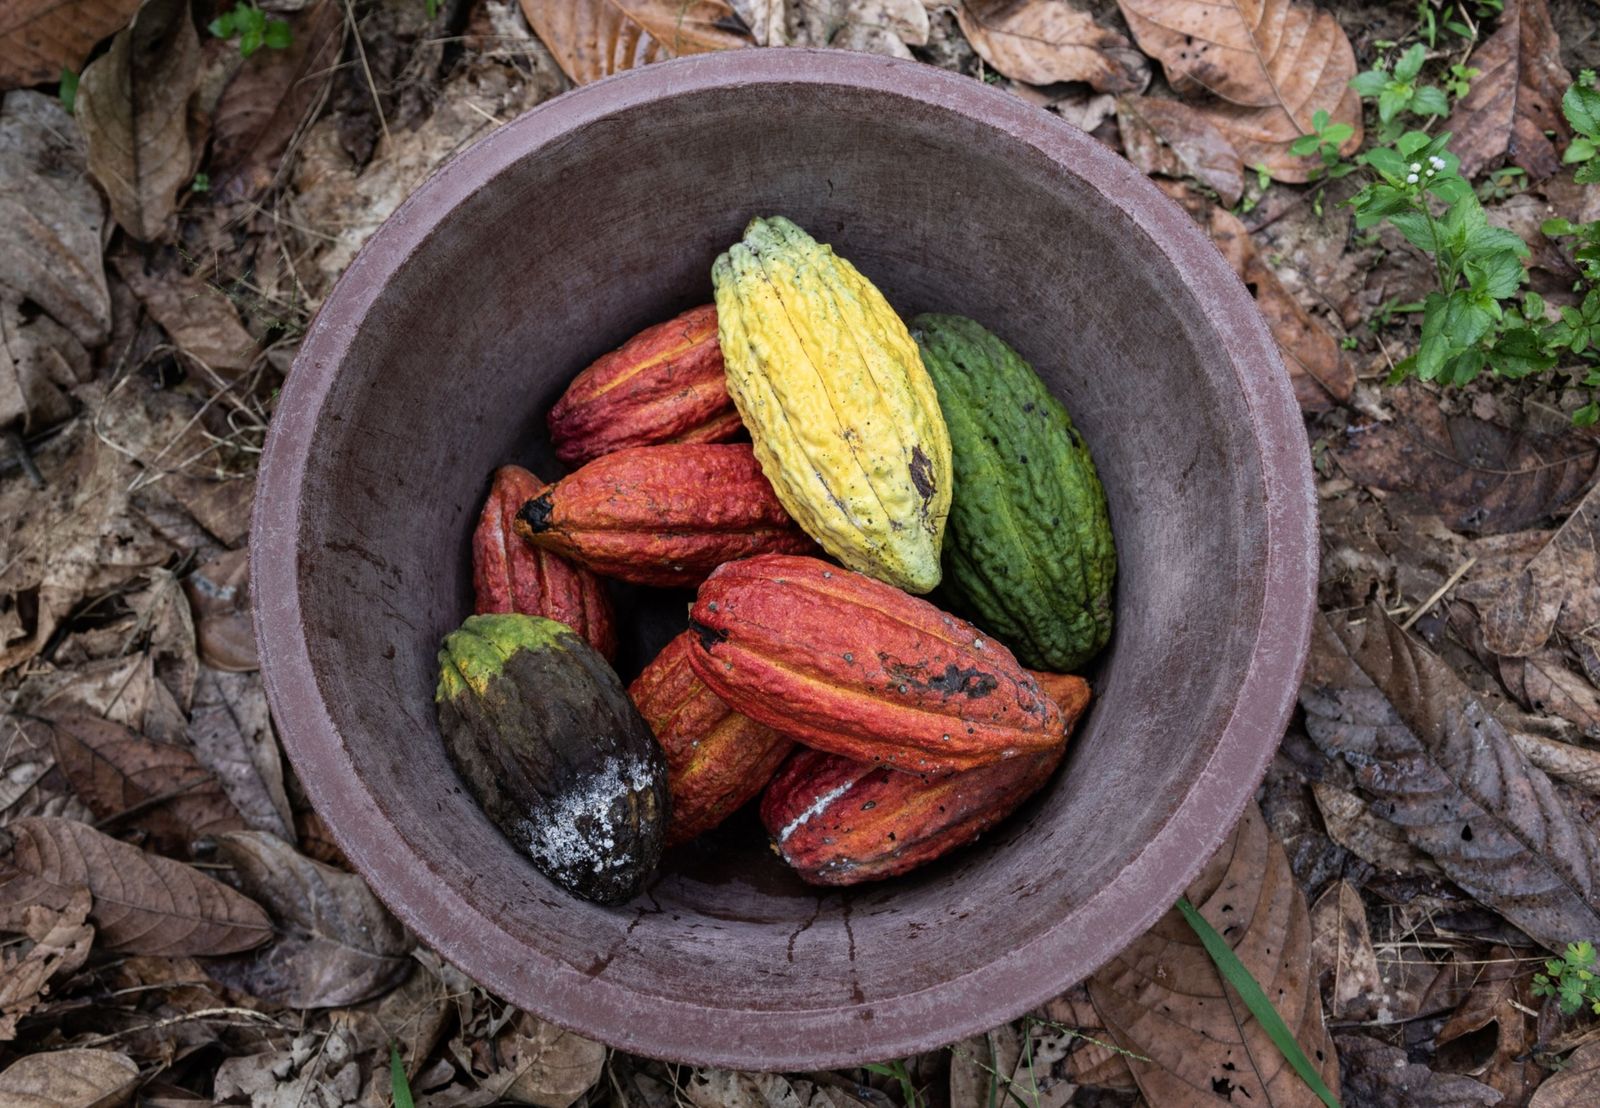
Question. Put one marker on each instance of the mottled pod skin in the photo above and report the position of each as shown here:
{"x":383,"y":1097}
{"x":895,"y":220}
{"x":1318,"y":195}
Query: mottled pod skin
{"x":545,"y":737}
{"x":838,"y":821}
{"x":717,"y":759}
{"x":666,"y":384}
{"x":662,"y":515}
{"x":510,"y":574}
{"x":840,"y":408}
{"x":1028,"y":552}
{"x":847,"y":664}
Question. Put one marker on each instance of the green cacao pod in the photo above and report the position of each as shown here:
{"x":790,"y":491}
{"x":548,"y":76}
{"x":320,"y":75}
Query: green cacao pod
{"x":844,"y":419}
{"x":1028,"y":553}
{"x":841,"y":662}
{"x":545,"y":737}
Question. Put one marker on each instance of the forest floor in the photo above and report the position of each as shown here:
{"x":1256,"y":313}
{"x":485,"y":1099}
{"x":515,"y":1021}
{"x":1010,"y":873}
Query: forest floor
{"x":177,"y":198}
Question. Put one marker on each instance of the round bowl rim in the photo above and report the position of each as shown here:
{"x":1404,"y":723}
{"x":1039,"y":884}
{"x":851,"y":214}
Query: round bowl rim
{"x":679,"y":1028}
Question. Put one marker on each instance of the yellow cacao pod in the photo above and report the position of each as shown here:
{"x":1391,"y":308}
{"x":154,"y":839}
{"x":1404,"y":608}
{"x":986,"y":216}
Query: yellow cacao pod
{"x":844,"y":418}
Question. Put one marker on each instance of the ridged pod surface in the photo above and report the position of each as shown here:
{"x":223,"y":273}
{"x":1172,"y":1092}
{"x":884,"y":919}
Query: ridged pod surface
{"x":510,"y":574}
{"x":844,"y":663}
{"x":838,"y":821}
{"x":666,"y":384}
{"x":842,"y":413}
{"x":545,"y":737}
{"x":662,"y":515}
{"x":1028,"y":552}
{"x":717,"y":759}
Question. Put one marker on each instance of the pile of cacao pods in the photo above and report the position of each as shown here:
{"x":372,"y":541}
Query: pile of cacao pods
{"x":879,"y":730}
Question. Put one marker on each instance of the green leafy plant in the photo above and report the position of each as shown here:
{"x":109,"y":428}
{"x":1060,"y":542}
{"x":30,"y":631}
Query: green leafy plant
{"x":1459,"y":82}
{"x":1324,"y":142}
{"x":897,"y":1070}
{"x":399,"y":1087}
{"x":201,"y":183}
{"x":1249,"y":989}
{"x":1504,"y":182}
{"x":68,"y":91}
{"x":1571,"y":979}
{"x":1581,"y":105}
{"x":1398,"y":91}
{"x":252,"y":28}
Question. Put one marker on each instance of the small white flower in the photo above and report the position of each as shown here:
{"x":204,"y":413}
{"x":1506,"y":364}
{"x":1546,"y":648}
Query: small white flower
{"x":1411,"y":178}
{"x":1429,"y":173}
{"x":1416,"y":167}
{"x":1438,"y":162}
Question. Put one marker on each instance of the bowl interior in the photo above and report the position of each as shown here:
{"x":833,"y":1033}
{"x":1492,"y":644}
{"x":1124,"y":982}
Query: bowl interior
{"x":440,"y":354}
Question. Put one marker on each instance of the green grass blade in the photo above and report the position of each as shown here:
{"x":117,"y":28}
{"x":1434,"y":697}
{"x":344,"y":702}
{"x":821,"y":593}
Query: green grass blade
{"x":1234,"y":973}
{"x":399,"y":1087}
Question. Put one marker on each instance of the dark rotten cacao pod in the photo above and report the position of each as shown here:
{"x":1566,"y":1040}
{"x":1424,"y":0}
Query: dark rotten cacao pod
{"x":545,"y":737}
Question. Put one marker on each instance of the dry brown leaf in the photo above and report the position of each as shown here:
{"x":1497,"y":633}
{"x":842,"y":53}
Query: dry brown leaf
{"x":200,"y":319}
{"x":61,"y":941}
{"x":412,"y":1016}
{"x":1163,"y":998}
{"x":40,"y":362}
{"x":51,"y":216}
{"x":219,"y":590}
{"x":338,"y":945}
{"x":128,"y":780}
{"x":1041,"y":42}
{"x":1489,"y":1036}
{"x":1272,"y":64}
{"x":553,"y":1067}
{"x":1092,"y":1060}
{"x":766,"y":19}
{"x":1317,"y":367}
{"x":1169,"y":138}
{"x":1523,"y":603}
{"x":1478,"y":476}
{"x":143,"y":903}
{"x":1379,"y":1074}
{"x":230,"y":730}
{"x":1443,"y":768}
{"x":1576,"y":765}
{"x":1575,"y":1085}
{"x":133,"y":104}
{"x":708,"y":1087}
{"x":1545,"y":682}
{"x":68,"y":1079}
{"x":40,"y":38}
{"x":1341,"y":948}
{"x":887,"y":27}
{"x":595,"y":38}
{"x":269,"y":99}
{"x":123,"y":690}
{"x":1375,"y":841}
{"x":1516,"y":96}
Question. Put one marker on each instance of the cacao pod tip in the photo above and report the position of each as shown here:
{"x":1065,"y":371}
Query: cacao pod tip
{"x":535,"y":514}
{"x":476,"y":652}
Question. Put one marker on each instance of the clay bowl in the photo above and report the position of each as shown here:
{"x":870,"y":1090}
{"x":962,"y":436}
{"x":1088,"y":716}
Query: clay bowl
{"x":557,"y":237}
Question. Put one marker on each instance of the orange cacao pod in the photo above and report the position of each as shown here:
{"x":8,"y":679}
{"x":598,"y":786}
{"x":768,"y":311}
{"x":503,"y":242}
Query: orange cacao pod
{"x":662,"y":515}
{"x":717,"y":760}
{"x":838,"y":821}
{"x":844,"y":663}
{"x":666,"y":384}
{"x":510,"y":575}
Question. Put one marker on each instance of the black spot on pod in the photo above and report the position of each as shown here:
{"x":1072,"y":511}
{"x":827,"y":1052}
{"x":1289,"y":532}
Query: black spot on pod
{"x":922,"y":473}
{"x":536,"y":513}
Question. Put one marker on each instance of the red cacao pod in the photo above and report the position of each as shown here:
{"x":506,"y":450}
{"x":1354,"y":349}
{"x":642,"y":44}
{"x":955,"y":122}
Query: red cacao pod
{"x":666,"y":384}
{"x":838,"y":821}
{"x":511,"y":575}
{"x":845,"y":663}
{"x":717,"y":759}
{"x":662,"y":515}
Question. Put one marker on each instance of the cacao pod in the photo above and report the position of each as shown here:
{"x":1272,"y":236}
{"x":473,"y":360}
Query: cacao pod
{"x":666,"y":384}
{"x":1028,"y":553}
{"x":838,"y":821}
{"x":844,"y":418}
{"x":662,"y":515}
{"x":717,"y":759}
{"x":842,"y":662}
{"x":510,"y":574}
{"x":545,"y":737}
